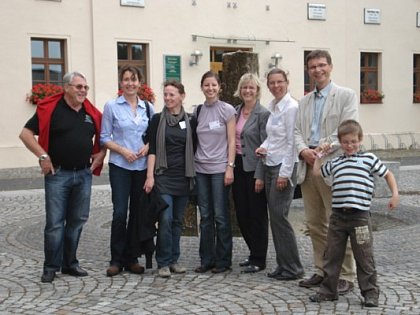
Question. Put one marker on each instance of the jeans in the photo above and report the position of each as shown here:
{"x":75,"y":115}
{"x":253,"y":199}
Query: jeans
{"x":169,"y":230}
{"x":67,"y":205}
{"x":215,"y":228}
{"x":127,"y":187}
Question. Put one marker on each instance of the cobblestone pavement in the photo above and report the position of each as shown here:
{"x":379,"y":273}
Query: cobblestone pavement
{"x":397,"y":252}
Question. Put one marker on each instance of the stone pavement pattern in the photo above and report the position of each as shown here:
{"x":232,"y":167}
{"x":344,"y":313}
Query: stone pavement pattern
{"x":397,"y":252}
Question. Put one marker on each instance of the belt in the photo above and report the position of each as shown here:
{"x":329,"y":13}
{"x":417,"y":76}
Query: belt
{"x":72,"y":168}
{"x":346,"y":210}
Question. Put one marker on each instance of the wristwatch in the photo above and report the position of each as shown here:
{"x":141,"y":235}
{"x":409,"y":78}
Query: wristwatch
{"x":231,"y":164}
{"x":43,"y":157}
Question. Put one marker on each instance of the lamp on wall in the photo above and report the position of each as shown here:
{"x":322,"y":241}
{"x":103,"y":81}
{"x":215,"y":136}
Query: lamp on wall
{"x":196,"y":56}
{"x":276,"y":57}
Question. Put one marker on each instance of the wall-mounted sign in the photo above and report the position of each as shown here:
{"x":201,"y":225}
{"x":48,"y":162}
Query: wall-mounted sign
{"x":418,"y":19}
{"x":172,"y":66}
{"x":317,"y":11}
{"x":372,"y":16}
{"x":133,"y":3}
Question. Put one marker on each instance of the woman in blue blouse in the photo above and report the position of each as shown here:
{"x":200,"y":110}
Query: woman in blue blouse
{"x":125,"y":120}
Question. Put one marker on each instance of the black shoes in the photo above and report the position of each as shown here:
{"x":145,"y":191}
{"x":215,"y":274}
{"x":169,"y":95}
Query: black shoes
{"x":244,"y":263}
{"x":371,"y":301}
{"x":288,"y":278}
{"x":48,"y":276}
{"x":74,"y":271}
{"x":220,"y":269}
{"x":319,"y":297}
{"x":252,"y":269}
{"x":203,"y":269}
{"x":274,"y":273}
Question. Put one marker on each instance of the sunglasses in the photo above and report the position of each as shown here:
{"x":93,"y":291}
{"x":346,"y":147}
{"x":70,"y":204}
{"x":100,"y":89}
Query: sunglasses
{"x":80,"y":87}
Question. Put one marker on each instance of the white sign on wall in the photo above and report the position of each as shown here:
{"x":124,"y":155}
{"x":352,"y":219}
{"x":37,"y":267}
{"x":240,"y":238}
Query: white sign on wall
{"x":418,"y":19}
{"x":372,"y":16}
{"x":317,"y":11}
{"x":133,"y":3}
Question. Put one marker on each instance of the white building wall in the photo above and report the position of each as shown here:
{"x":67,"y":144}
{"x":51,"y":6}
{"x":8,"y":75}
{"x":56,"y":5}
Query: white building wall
{"x":92,"y":29}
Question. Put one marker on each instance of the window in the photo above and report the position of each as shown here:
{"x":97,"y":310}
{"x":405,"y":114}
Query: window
{"x":369,"y":78}
{"x":416,"y":78}
{"x":134,"y":54}
{"x":309,"y":84}
{"x":48,"y":62}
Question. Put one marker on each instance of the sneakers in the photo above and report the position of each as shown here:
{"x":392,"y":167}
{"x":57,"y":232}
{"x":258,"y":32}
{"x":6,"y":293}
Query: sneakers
{"x":344,"y":286}
{"x":177,"y":268}
{"x":312,"y":282}
{"x":371,"y":301}
{"x":164,"y":272}
{"x":319,"y":297}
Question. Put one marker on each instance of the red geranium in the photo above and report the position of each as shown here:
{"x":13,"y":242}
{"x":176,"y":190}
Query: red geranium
{"x":144,"y":92}
{"x":373,"y":95}
{"x":41,"y":90}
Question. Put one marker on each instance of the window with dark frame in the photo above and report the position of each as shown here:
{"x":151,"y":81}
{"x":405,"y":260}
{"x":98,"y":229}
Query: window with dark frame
{"x":416,"y":78}
{"x":369,"y":77}
{"x":309,"y":84}
{"x":134,"y":54}
{"x":48,"y":61}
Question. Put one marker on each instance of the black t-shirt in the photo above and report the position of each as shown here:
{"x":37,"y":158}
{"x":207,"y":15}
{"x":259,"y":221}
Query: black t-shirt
{"x":71,"y":136}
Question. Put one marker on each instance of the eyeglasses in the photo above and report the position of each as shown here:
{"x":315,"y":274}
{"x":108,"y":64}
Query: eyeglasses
{"x":80,"y":86}
{"x":321,"y":66}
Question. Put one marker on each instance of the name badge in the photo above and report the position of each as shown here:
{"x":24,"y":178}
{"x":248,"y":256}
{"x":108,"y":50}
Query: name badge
{"x":214,"y":124}
{"x":182,"y":125}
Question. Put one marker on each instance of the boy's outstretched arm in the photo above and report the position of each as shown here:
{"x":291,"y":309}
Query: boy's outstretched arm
{"x":392,"y":184}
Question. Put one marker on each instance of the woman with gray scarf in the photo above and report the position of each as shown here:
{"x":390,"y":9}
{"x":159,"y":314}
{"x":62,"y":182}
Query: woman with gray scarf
{"x":170,"y":170}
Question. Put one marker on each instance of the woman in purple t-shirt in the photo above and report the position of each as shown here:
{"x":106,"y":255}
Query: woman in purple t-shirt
{"x":214,"y":161}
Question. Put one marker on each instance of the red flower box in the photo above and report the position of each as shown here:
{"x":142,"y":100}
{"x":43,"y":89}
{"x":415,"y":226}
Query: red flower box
{"x":41,"y":91}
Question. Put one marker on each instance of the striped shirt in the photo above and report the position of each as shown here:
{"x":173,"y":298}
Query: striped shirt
{"x":353,"y":181}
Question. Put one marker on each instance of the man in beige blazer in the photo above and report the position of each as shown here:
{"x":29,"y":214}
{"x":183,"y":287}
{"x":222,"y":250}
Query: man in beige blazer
{"x":320,"y":113}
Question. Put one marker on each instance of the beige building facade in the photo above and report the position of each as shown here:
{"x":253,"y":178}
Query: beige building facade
{"x":373,"y":43}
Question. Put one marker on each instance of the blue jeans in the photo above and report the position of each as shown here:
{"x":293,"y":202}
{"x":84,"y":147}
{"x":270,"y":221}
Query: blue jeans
{"x":169,"y":230}
{"x":67,"y":205}
{"x":215,"y":228}
{"x":126,"y":187}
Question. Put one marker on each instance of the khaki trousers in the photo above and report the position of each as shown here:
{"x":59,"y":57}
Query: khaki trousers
{"x":317,"y":199}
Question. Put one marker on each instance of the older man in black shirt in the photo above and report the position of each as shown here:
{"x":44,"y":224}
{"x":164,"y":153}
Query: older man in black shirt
{"x":65,"y":124}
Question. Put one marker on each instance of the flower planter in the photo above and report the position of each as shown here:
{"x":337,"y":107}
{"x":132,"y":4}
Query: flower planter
{"x":365,"y":100}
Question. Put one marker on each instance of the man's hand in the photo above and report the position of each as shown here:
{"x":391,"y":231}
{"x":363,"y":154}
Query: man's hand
{"x":98,"y":159}
{"x":46,"y":166}
{"x":308,"y":155}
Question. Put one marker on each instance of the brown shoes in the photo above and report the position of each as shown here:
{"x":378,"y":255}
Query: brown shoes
{"x":135,"y":268}
{"x":344,"y":286}
{"x":113,"y":271}
{"x":312,"y":282}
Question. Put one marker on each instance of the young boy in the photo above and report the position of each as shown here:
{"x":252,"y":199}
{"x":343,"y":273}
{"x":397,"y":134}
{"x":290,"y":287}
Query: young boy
{"x":352,"y":189}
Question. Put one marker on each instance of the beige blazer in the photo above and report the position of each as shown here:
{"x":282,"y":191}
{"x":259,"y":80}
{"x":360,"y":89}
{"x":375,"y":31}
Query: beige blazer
{"x":341,"y":104}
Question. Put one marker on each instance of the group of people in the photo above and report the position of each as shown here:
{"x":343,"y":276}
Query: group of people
{"x":261,"y":152}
